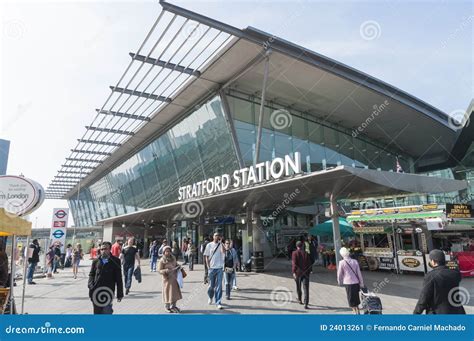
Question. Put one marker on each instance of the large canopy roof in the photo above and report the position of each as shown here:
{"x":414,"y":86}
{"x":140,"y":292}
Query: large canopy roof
{"x":343,"y":182}
{"x":187,"y":57}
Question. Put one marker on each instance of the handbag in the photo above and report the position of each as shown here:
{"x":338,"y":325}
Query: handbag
{"x":229,"y":270}
{"x":183,"y":273}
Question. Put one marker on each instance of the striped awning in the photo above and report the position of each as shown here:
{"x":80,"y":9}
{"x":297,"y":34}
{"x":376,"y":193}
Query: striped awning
{"x":397,"y":217}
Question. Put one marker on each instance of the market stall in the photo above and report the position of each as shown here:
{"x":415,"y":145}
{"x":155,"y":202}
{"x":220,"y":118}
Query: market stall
{"x":396,"y":238}
{"x":12,"y":226}
{"x":376,"y":247}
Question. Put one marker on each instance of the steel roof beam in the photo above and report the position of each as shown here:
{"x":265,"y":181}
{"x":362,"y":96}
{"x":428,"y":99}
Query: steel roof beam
{"x":90,"y":152}
{"x":166,"y":65}
{"x":76,"y":166}
{"x":142,"y":94}
{"x":107,"y":130}
{"x":83,"y":160}
{"x":121,"y":114}
{"x":105,"y":143}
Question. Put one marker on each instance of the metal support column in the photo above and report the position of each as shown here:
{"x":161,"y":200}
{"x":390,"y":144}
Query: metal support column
{"x":231,"y":126}
{"x":335,"y":228}
{"x":262,"y":106}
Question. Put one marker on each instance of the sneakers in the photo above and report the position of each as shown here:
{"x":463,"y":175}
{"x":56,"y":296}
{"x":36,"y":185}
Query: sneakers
{"x":219,"y":307}
{"x":209,"y":301}
{"x":32,"y":282}
{"x":127,"y":291}
{"x":235,"y":287}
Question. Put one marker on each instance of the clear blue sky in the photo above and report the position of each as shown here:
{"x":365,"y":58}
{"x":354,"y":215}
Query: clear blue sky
{"x":58,"y":59}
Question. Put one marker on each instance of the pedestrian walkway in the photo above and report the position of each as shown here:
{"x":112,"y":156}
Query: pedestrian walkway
{"x":272,"y":292}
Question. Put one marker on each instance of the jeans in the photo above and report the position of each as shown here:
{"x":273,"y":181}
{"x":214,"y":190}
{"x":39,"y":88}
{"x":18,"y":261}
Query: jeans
{"x":31,"y":271}
{"x":228,"y":282}
{"x":55,"y":264}
{"x":186,"y":258}
{"x":107,"y":310}
{"x":153,"y":261}
{"x":215,"y":285}
{"x":191,"y":262}
{"x":206,"y":273}
{"x":128,"y":274}
{"x":305,"y":281}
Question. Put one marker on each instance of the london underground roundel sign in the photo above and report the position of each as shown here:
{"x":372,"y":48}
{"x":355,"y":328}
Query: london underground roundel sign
{"x":19,"y":195}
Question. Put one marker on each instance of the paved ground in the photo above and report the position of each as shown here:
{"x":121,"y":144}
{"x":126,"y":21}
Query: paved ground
{"x":272,"y":292}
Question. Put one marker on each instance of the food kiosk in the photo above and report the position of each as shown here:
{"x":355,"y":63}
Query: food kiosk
{"x":396,"y":238}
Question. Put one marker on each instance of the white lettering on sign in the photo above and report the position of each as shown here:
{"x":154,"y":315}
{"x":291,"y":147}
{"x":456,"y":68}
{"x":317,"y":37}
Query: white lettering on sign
{"x":248,"y":176}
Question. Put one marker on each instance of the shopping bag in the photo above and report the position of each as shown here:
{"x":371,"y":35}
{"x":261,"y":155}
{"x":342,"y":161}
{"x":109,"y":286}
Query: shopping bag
{"x":180,"y":279}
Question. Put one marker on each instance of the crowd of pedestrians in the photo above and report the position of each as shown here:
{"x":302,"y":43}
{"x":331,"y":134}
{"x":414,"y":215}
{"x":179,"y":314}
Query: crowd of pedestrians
{"x":115,"y":266}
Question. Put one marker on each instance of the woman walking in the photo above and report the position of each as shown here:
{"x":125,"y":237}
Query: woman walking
{"x":191,"y":253}
{"x":350,"y":276}
{"x":50,"y":262}
{"x":77,"y":255}
{"x":168,"y":267}
{"x":175,"y":250}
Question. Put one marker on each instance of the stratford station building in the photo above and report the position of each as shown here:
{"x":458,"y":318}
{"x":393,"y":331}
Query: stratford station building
{"x":215,"y":127}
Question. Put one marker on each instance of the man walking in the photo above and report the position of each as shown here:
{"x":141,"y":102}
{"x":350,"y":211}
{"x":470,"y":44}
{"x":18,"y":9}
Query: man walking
{"x":128,"y":257}
{"x":153,"y":255}
{"x":440,"y":288}
{"x":214,"y":258}
{"x":206,"y":269}
{"x":116,"y":249}
{"x":33,"y":260}
{"x":104,"y":276}
{"x":184,"y":249}
{"x":301,"y":268}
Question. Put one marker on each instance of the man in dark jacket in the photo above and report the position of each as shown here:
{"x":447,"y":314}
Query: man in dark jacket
{"x":3,"y":265}
{"x":301,"y":268}
{"x":105,"y":275}
{"x":33,"y":260}
{"x":440,"y":288}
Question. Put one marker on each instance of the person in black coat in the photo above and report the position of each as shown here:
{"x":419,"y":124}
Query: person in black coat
{"x":440,"y":288}
{"x":105,"y":275}
{"x":33,"y":260}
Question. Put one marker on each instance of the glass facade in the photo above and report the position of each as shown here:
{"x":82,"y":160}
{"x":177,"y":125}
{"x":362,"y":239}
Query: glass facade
{"x":321,"y":146}
{"x":200,"y":146}
{"x":196,"y":148}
